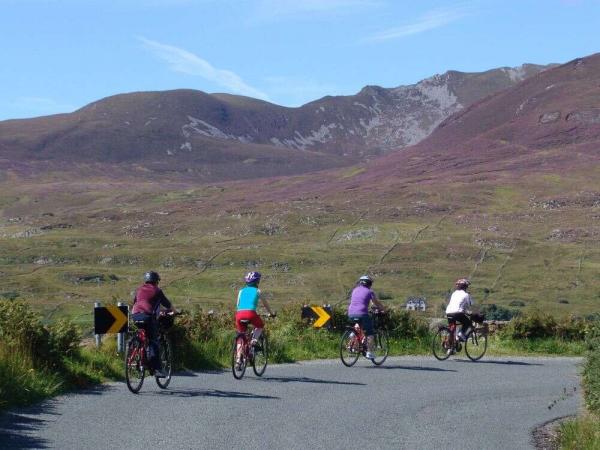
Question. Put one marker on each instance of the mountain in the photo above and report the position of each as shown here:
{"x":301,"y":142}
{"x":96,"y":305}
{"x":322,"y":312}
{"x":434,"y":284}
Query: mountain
{"x":548,"y":123}
{"x":221,"y":136}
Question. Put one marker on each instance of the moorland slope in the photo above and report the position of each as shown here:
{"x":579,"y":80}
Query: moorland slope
{"x":206,"y":137}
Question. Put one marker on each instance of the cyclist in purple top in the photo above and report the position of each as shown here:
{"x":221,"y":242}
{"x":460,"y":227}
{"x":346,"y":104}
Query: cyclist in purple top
{"x":361,"y":297}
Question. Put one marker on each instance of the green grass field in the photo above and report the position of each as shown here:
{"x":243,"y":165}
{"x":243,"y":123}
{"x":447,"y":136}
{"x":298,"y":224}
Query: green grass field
{"x":66,"y":246}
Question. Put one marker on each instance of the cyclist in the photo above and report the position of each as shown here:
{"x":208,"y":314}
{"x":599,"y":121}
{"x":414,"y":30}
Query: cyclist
{"x":247,"y":302}
{"x":460,"y":302}
{"x":360,"y":298}
{"x":146,"y":306}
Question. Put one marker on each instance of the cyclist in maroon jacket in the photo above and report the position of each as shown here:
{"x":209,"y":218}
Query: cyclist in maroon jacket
{"x":146,"y":306}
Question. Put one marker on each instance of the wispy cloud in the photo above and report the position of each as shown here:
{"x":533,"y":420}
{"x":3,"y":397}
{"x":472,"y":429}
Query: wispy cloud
{"x":277,"y":9}
{"x":429,"y":21}
{"x":183,"y":61}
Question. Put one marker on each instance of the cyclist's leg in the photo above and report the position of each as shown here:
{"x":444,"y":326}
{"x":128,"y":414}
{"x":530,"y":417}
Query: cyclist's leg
{"x":466,"y":324}
{"x":241,"y":330}
{"x":154,"y":350}
{"x":258,"y":324}
{"x":150,"y":325}
{"x":366,"y":323}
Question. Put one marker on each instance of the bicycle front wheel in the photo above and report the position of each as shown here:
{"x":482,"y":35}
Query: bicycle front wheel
{"x":259,"y":362}
{"x":238,"y":365}
{"x":350,"y":348}
{"x":441,"y":343}
{"x":380,"y":347}
{"x":476,"y":345}
{"x":134,"y":365}
{"x":166,"y":362}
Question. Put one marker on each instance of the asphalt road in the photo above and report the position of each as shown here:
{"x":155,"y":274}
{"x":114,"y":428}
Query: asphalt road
{"x":409,"y":402}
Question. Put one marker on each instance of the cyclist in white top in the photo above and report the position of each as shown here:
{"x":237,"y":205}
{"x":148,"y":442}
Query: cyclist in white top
{"x":460,"y":303}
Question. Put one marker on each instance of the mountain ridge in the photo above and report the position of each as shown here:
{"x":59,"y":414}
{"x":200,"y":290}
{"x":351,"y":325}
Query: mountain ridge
{"x":187,"y":129}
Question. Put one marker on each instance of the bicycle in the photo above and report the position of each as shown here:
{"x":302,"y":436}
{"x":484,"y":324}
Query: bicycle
{"x":446,"y":342}
{"x":136,"y":355}
{"x":354,"y":342}
{"x":255,"y":354}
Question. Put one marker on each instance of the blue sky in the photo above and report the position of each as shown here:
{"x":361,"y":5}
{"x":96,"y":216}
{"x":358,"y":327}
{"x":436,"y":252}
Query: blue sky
{"x":58,"y":55}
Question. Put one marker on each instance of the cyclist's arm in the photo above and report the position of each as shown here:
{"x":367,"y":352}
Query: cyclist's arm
{"x":266,"y":305}
{"x":377,"y":303}
{"x":164,"y":301}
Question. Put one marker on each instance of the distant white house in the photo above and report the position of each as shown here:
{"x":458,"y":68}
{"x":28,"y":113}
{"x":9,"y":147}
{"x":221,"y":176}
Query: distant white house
{"x":416,"y":304}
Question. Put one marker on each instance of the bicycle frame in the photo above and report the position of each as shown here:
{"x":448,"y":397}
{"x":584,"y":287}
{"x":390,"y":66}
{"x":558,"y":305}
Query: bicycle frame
{"x":141,"y":335}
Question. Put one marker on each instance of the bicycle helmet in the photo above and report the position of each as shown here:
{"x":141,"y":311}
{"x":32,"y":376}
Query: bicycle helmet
{"x":462,"y":283}
{"x":365,"y":280}
{"x":252,"y":277}
{"x":151,"y":277}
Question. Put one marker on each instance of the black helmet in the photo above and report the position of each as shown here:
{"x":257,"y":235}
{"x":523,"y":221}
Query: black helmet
{"x":365,"y":280}
{"x":151,"y":277}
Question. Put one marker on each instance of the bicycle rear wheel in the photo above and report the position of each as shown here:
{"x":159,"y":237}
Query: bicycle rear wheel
{"x":166,"y":362}
{"x":441,"y":343}
{"x":238,"y":367}
{"x":476,"y":345}
{"x":350,"y":348}
{"x":259,"y":362}
{"x":134,"y":365}
{"x":380,"y":347}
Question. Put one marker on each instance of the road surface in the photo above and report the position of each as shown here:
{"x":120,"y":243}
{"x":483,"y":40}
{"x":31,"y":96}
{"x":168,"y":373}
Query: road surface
{"x":409,"y":402}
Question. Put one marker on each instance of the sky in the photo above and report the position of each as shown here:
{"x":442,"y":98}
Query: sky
{"x":59,"y":55}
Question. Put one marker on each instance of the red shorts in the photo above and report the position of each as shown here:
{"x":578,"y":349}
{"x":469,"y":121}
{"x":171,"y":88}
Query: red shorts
{"x":247,"y":315}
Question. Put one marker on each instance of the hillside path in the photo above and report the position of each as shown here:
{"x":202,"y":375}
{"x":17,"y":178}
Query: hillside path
{"x":408,"y":403}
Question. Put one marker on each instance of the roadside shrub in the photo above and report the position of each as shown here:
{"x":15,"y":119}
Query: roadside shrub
{"x":541,"y":325}
{"x":534,"y":325}
{"x":495,"y":312}
{"x":22,"y":332}
{"x":591,"y":381}
{"x":64,"y":339}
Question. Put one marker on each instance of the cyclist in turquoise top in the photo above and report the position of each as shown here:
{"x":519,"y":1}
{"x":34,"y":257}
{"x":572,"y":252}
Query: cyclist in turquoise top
{"x":247,"y":302}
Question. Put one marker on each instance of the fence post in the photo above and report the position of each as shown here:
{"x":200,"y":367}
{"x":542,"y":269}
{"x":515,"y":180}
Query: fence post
{"x":98,"y":336}
{"x":120,"y":336}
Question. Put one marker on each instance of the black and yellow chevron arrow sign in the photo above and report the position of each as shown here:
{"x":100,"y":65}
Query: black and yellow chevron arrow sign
{"x":320,"y":314}
{"x":111,"y":319}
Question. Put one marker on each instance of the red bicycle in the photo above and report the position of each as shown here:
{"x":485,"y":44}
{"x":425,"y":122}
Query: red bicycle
{"x":354,"y":342}
{"x":255,"y":354}
{"x":136,"y":355}
{"x":446,"y":341}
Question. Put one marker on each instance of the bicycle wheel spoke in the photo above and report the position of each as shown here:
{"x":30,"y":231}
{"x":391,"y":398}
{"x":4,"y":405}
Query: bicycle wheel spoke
{"x":476,"y":345}
{"x":350,"y":348}
{"x":441,"y":344}
{"x":259,"y":361}
{"x":380,"y":347}
{"x":238,"y":357}
{"x":166,"y":362}
{"x":134,"y":365}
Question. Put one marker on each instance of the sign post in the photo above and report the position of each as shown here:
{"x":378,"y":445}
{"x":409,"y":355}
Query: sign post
{"x":97,"y":336}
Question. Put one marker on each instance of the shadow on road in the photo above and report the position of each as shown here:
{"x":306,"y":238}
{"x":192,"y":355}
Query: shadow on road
{"x":210,"y":393}
{"x":307,"y":380}
{"x":15,"y":428}
{"x":506,"y":363}
{"x":191,"y":374}
{"x":426,"y":369}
